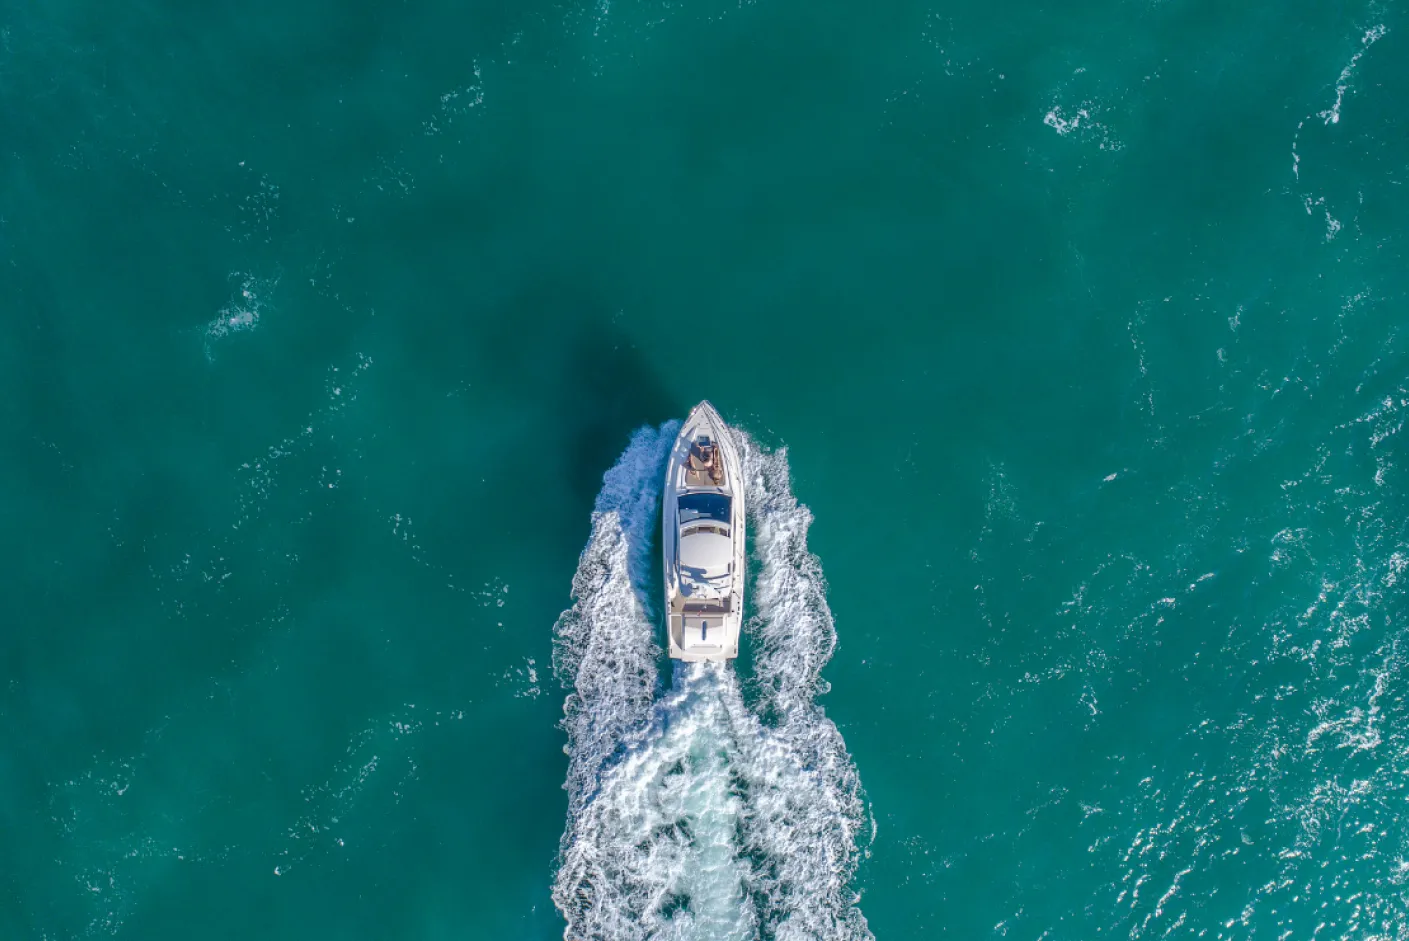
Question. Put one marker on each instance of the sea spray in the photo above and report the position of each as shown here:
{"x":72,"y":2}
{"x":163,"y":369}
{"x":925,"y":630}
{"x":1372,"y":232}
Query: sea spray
{"x":604,"y":646}
{"x":805,"y":813}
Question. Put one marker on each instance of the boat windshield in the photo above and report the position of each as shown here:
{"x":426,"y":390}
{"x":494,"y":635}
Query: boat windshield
{"x":714,"y":506}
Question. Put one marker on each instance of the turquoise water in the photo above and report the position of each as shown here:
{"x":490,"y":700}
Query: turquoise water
{"x":1076,"y":330}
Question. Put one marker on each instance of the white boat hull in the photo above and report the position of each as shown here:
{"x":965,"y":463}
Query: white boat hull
{"x":702,"y":524}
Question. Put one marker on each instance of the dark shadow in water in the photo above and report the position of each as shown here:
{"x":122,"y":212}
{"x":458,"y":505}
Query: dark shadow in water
{"x":594,"y":389}
{"x":555,"y":343}
{"x":126,"y":633}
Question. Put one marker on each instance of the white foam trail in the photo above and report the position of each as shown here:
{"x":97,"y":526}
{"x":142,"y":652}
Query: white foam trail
{"x":791,"y":629}
{"x":604,"y":647}
{"x":692,"y":817}
{"x":1332,"y":115}
{"x":653,"y":854}
{"x":804,"y":818}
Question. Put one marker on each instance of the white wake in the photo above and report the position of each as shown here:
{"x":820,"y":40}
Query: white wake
{"x":694,"y":814}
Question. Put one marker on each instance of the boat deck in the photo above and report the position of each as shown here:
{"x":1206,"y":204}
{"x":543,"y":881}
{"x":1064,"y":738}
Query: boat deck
{"x":703,"y":617}
{"x":696,"y":477}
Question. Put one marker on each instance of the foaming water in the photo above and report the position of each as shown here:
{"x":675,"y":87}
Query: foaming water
{"x":242,"y":312}
{"x":806,"y":817}
{"x":691,"y":814}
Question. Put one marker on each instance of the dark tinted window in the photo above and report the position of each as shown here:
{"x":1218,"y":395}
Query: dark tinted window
{"x":713,"y":506}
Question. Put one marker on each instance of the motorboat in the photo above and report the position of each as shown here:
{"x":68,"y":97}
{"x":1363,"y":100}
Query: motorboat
{"x":702,"y":519}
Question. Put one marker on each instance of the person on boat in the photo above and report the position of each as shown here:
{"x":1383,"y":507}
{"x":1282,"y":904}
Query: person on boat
{"x":704,"y":457}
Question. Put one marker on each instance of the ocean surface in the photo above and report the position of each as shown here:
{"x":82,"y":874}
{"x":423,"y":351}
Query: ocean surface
{"x":1068,"y":348}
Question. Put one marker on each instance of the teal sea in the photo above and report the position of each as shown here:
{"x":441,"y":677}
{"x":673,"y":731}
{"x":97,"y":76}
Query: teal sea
{"x":1067,"y":346}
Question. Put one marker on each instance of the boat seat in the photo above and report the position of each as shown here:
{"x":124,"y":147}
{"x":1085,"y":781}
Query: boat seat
{"x":696,"y":476}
